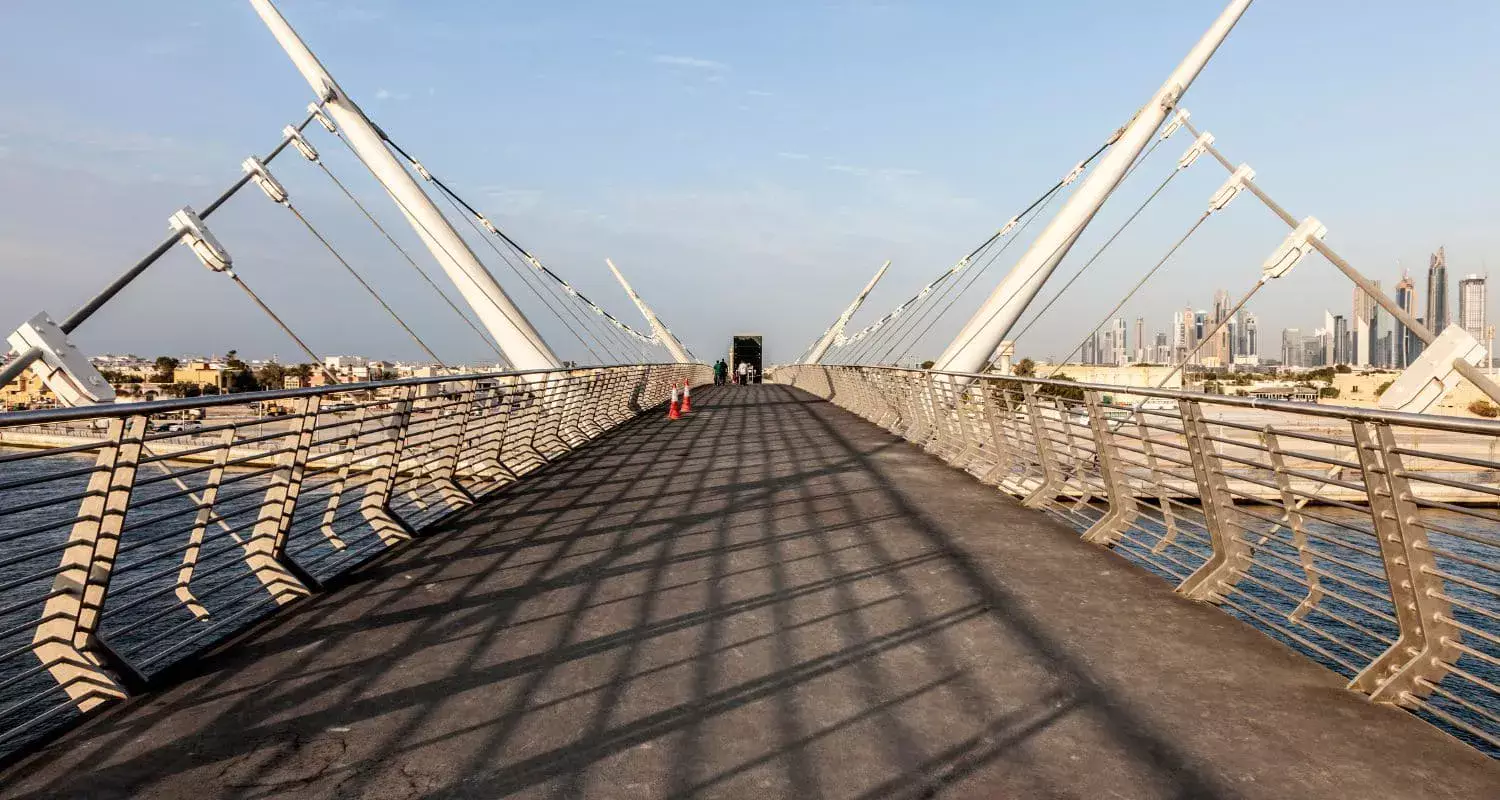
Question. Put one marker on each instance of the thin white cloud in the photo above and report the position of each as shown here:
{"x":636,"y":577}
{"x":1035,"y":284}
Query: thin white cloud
{"x":691,"y":63}
{"x":793,"y":156}
{"x":759,"y":93}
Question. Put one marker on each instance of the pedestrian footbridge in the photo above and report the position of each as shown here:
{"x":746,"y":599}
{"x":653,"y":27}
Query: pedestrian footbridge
{"x":770,"y":597}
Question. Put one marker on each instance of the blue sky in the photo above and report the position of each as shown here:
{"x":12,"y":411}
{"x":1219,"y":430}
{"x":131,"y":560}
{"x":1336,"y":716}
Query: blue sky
{"x":747,"y":164}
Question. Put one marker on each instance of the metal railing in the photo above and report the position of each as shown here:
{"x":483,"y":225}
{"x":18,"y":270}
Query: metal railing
{"x":124,"y":550}
{"x":1367,"y":540}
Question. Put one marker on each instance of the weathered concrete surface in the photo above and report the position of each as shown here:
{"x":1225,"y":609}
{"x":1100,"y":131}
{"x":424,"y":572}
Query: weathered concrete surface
{"x":769,"y":599}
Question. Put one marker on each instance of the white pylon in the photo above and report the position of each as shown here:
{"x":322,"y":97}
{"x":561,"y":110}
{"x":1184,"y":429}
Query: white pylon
{"x":815,"y":355}
{"x":519,"y":341}
{"x":674,"y":347}
{"x":992,"y":322}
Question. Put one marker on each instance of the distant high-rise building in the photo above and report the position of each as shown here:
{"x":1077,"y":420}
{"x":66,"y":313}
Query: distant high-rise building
{"x":1331,"y":346}
{"x":1140,"y":340}
{"x":1163,"y":353}
{"x":1415,"y":346}
{"x":1473,"y":296}
{"x":1090,"y":353}
{"x":1362,"y":322}
{"x":1201,"y":327}
{"x":1121,"y":350}
{"x":1292,"y":351}
{"x":1250,"y":335}
{"x":1437,"y":292}
{"x":1406,"y":299}
{"x":1343,"y":343}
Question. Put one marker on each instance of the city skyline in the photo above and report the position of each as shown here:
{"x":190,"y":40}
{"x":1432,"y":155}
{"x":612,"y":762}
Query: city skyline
{"x":1367,"y":336}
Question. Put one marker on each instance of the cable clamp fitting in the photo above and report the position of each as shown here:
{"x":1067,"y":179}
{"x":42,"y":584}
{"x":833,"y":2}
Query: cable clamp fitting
{"x":489,"y":226}
{"x":1231,"y":188}
{"x":1177,"y":121}
{"x":1072,"y":176}
{"x":317,"y":114}
{"x":1298,"y":244}
{"x":421,"y":170}
{"x":1199,"y":146}
{"x":300,"y":142}
{"x":536,"y":265}
{"x":1009,"y":226}
{"x":263,"y":178}
{"x":192,"y":232}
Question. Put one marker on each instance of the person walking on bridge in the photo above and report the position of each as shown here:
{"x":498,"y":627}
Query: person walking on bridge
{"x":721,"y":373}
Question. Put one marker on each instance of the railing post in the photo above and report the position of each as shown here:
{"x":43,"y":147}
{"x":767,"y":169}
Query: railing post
{"x":447,"y":441}
{"x":1231,"y":555}
{"x":184,"y":589}
{"x":1293,"y":521}
{"x":267,"y":543}
{"x":1052,"y":482}
{"x":1001,"y":435}
{"x":66,"y":640}
{"x":1122,"y":505}
{"x":1424,"y":649}
{"x":336,"y":494}
{"x":374,"y":505}
{"x":1158,"y":480}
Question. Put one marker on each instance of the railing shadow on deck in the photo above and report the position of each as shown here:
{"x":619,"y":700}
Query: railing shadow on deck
{"x":652,"y":549}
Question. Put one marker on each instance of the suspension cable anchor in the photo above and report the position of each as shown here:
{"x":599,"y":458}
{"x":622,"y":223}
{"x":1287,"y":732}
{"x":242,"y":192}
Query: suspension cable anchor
{"x":193,"y":233}
{"x":1298,"y":244}
{"x":1231,"y":188}
{"x":62,"y":367}
{"x":1072,"y":176}
{"x":1177,"y":121}
{"x":300,"y":142}
{"x":317,"y":113}
{"x":257,"y":171}
{"x":1198,"y":148}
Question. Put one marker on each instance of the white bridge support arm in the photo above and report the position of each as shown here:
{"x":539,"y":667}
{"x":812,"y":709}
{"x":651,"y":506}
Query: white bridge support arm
{"x":993,"y":321}
{"x":674,"y":347}
{"x":815,"y":356}
{"x":519,"y":341}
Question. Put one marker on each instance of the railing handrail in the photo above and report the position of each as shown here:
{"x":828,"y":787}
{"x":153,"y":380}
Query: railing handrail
{"x":113,"y":410}
{"x":1344,"y":413}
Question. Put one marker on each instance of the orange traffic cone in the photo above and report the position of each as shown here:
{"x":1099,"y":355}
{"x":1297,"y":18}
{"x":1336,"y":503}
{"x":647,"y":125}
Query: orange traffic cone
{"x":687,"y":397}
{"x":673,"y":410}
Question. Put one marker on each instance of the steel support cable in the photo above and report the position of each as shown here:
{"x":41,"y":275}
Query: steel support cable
{"x":413,"y":262}
{"x":873,"y":329}
{"x":1142,"y":282}
{"x":24,"y":359}
{"x":454,"y":197}
{"x":974,"y":276}
{"x":530,"y":285}
{"x":965,"y":261}
{"x":1133,"y":167}
{"x":281,"y":324}
{"x":1223,"y":323}
{"x":430,"y":237}
{"x":1095,"y":257}
{"x":609,"y":319}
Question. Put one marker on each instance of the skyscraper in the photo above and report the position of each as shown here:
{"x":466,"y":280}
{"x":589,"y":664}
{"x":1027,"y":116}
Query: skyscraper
{"x":1472,"y":298}
{"x":1250,"y":336}
{"x":1122,"y":343}
{"x":1292,"y":350}
{"x":1140,"y":341}
{"x":1343,"y":343}
{"x":1437,"y":292}
{"x":1331,"y":346}
{"x":1406,"y":300}
{"x":1363,"y":323}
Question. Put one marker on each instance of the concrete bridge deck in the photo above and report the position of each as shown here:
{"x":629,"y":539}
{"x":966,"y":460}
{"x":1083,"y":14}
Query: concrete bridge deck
{"x":771,"y":598}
